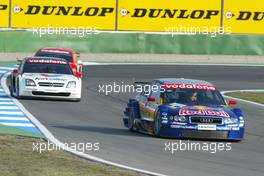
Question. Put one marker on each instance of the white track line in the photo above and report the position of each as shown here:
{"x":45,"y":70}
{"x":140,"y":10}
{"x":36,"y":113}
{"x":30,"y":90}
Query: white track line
{"x":8,"y":107}
{"x":11,"y":113}
{"x":17,"y":124}
{"x":245,"y":101}
{"x":54,"y":140}
{"x":14,"y":118}
{"x":7,"y":103}
{"x":173,"y":63}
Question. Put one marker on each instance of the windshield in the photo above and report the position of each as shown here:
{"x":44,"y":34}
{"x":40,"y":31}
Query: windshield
{"x":193,"y":97}
{"x":47,"y":68}
{"x":65,"y":56}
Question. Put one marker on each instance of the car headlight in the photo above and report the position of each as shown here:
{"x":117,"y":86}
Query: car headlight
{"x":230,"y":120}
{"x":30,"y":82}
{"x":71,"y":84}
{"x":179,"y":118}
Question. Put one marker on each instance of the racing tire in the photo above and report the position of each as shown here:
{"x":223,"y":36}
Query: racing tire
{"x":131,"y":120}
{"x":11,"y":87}
{"x":157,"y":125}
{"x":17,"y":91}
{"x":11,"y":91}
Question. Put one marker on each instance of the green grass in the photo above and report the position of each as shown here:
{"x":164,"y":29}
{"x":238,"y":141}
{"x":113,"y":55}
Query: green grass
{"x":7,"y":63}
{"x":14,"y":131}
{"x":251,"y":96}
{"x":17,"y":158}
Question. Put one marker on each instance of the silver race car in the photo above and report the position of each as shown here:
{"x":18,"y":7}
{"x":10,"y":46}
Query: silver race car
{"x":45,"y":77}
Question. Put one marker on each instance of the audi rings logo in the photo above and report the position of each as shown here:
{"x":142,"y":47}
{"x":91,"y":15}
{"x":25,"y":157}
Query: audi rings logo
{"x":206,"y":120}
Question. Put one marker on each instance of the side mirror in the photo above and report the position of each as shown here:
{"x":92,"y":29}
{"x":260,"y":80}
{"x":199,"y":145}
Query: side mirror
{"x":151,"y":99}
{"x":19,"y":59}
{"x":78,"y":54}
{"x":78,"y":74}
{"x":232,"y":102}
{"x":80,"y":62}
{"x":15,"y":71}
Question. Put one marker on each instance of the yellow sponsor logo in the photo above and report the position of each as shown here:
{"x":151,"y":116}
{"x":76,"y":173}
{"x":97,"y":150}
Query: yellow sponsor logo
{"x":70,"y":13}
{"x":4,"y":13}
{"x":141,"y":15}
{"x":244,"y":16}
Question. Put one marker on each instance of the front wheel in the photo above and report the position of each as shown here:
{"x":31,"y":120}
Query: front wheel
{"x":157,"y":125}
{"x":131,"y":120}
{"x":17,"y":90}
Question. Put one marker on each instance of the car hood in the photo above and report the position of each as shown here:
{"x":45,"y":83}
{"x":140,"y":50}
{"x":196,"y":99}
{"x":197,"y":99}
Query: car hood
{"x":210,"y":111}
{"x":48,"y":77}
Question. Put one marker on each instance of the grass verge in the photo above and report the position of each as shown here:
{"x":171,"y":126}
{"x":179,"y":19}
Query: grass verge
{"x":7,"y":63}
{"x":251,"y":96}
{"x":18,"y":158}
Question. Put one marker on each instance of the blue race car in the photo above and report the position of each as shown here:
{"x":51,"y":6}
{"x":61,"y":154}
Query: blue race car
{"x":184,"y":108}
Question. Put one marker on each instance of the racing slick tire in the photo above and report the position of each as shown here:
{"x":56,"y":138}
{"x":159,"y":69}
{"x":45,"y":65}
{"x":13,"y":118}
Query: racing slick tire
{"x":157,"y":125}
{"x":131,"y":120}
{"x":17,"y":91}
{"x":11,"y":87}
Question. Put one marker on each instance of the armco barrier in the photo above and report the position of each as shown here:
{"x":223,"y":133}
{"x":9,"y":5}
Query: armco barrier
{"x":23,"y":41}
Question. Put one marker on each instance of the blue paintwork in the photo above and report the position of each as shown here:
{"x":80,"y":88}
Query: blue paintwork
{"x":172,"y":128}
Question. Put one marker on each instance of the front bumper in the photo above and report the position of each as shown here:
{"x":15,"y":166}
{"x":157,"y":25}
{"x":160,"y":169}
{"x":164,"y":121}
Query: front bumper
{"x":52,"y":93}
{"x":228,"y":132}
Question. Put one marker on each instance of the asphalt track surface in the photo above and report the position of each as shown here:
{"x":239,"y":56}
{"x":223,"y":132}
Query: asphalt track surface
{"x":98,"y":118}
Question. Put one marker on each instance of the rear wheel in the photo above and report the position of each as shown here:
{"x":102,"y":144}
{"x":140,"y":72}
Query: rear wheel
{"x":157,"y":125}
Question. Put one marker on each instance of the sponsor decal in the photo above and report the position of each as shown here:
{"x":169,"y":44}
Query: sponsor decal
{"x":49,"y":75}
{"x":223,"y":128}
{"x":158,"y":16}
{"x":244,"y":16}
{"x":206,"y":127}
{"x":203,"y":112}
{"x":235,"y":128}
{"x":55,"y":51}
{"x":46,"y":61}
{"x":189,"y":86}
{"x":183,"y":127}
{"x":241,"y":125}
{"x":49,"y":79}
{"x":164,"y":121}
{"x":97,"y":14}
{"x":4,"y":13}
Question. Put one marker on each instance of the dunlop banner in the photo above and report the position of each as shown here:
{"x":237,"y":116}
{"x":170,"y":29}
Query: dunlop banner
{"x":244,"y":16}
{"x":99,"y":14}
{"x":4,"y":13}
{"x":179,"y":16}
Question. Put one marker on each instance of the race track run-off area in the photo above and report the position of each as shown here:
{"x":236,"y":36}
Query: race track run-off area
{"x":98,"y":119}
